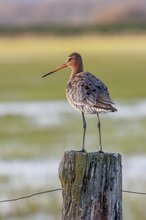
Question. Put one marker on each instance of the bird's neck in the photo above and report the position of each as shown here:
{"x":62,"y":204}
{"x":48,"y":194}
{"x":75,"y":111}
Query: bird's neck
{"x":77,"y":68}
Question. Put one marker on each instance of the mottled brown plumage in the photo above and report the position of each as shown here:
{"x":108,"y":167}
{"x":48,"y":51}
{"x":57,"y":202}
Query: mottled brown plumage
{"x":88,"y":94}
{"x":85,"y":92}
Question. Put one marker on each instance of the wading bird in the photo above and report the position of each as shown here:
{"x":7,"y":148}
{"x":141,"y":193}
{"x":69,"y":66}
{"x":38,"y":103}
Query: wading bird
{"x":85,"y":92}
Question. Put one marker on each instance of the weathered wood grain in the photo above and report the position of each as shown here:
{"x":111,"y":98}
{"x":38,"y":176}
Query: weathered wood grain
{"x":91,"y":186}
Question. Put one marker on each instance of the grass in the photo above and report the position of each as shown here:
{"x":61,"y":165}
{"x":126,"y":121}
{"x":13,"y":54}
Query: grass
{"x":21,"y":138}
{"x":118,"y":60}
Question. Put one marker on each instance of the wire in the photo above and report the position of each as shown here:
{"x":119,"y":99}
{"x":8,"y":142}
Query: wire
{"x":134,"y":192}
{"x":59,"y":189}
{"x":31,"y":195}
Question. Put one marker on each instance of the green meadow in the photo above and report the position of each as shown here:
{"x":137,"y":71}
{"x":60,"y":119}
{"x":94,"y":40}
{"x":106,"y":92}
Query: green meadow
{"x":120,"y":61}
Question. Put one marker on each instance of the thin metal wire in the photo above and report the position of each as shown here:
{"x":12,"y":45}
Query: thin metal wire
{"x":59,"y":189}
{"x":134,"y":192}
{"x":28,"y":196}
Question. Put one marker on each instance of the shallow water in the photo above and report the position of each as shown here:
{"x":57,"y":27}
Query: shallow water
{"x":48,"y":113}
{"x":36,"y":171}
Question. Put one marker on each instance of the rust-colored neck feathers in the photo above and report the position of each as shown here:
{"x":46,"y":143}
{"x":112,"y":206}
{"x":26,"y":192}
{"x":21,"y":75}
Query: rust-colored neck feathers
{"x":76,"y":63}
{"x":77,"y":67}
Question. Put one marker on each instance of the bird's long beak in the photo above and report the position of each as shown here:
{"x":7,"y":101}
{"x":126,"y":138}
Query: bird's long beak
{"x":59,"y":68}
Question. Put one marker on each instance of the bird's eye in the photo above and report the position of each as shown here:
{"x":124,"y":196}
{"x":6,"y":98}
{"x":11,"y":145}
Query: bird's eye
{"x":69,"y":59}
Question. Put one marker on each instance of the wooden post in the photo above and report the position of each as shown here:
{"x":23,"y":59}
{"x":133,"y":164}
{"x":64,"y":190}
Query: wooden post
{"x":91,"y":186}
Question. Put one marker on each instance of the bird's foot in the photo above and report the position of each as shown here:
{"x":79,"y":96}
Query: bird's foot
{"x":100,"y":151}
{"x":83,"y":150}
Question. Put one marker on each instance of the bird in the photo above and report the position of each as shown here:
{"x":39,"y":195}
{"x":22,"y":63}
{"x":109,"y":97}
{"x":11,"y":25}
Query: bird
{"x":86,"y":93}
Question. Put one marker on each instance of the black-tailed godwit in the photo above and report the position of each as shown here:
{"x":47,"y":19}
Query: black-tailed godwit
{"x":86,"y":93}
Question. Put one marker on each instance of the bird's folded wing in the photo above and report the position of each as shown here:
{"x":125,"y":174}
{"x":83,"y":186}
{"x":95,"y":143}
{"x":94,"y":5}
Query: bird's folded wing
{"x":91,"y":91}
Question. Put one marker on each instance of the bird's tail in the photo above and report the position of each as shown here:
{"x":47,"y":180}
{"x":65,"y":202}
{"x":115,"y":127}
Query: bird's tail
{"x":112,"y":109}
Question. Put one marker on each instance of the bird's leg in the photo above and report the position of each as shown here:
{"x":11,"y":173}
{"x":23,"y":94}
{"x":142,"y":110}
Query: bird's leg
{"x":84,"y":132}
{"x":99,"y":130}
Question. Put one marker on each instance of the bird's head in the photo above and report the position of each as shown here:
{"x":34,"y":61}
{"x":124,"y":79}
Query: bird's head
{"x":74,"y":61}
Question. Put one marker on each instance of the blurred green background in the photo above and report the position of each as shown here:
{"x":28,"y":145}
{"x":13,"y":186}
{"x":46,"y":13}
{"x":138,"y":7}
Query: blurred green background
{"x":118,"y":60}
{"x":37,"y":124}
